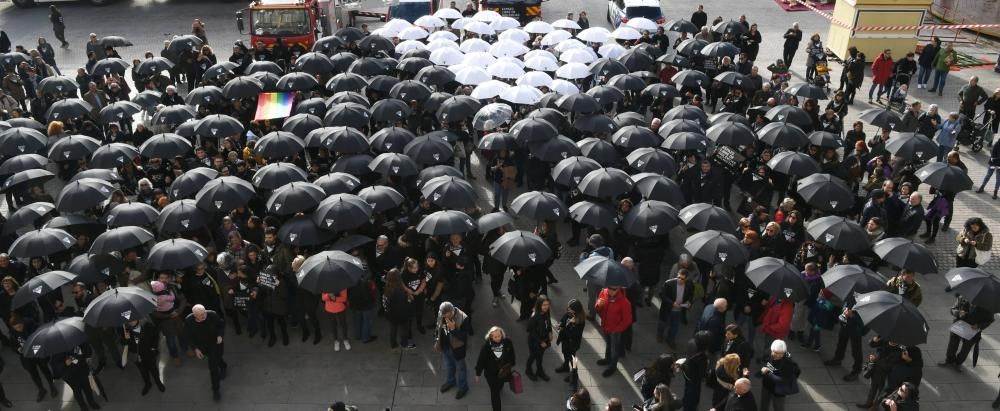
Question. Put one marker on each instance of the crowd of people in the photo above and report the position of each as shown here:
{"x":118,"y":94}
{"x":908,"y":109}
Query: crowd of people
{"x":369,"y":113}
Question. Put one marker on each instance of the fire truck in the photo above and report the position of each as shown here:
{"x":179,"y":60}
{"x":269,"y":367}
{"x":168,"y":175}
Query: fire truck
{"x":298,"y":23}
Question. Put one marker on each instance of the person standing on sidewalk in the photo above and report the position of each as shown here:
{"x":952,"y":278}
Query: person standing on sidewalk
{"x":616,"y":316}
{"x":793,"y":36}
{"x":204,"y":330}
{"x":452,"y":336}
{"x":925,"y":64}
{"x":58,"y":25}
{"x":539,"y":338}
{"x":942,"y":64}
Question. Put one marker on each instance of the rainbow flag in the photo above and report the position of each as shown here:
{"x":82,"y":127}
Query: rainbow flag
{"x":273,"y":105}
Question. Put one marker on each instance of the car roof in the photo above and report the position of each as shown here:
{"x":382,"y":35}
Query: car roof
{"x":642,"y":3}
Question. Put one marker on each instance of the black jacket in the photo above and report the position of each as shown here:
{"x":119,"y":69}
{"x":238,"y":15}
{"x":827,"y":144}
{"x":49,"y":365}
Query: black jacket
{"x":792,"y":38}
{"x":741,"y":347}
{"x":910,"y":221}
{"x":145,"y":343}
{"x":570,"y":333}
{"x":203,"y":335}
{"x":539,"y":330}
{"x":490,"y":366}
{"x":669,"y":292}
{"x":783,"y":376}
{"x":734,"y":402}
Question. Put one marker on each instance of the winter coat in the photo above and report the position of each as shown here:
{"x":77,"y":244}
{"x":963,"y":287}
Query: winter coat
{"x":496,"y":367}
{"x":881,"y":69}
{"x":944,"y":59}
{"x":335,"y":303}
{"x":927,"y":55}
{"x":570,"y":333}
{"x":782,"y":379}
{"x":949,"y":132}
{"x":616,"y":314}
{"x":983,"y":239}
{"x":777,"y":319}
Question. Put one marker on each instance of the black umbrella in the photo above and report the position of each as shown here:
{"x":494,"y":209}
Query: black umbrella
{"x":242,"y":87}
{"x":539,"y":206}
{"x":630,"y":118}
{"x":730,"y":27}
{"x":188,"y":184}
{"x":27,"y":215}
{"x":652,"y":186}
{"x":943,"y":176}
{"x":570,"y":172}
{"x":593,"y":214}
{"x":680,"y":125}
{"x":688,"y":112}
{"x":690,"y":48}
{"x":533,"y":131}
{"x":793,"y":163}
{"x":497,"y":141}
{"x":181,"y":216}
{"x":148,"y":99}
{"x":55,"y":338}
{"x":446,"y":222}
{"x":807,"y":90}
{"x":906,"y":254}
{"x":119,"y":111}
{"x":881,"y":117}
{"x":390,"y":110}
{"x":346,"y":82}
{"x":185,"y":43}
{"x":301,"y":124}
{"x":719,"y":118}
{"x":826,"y":192}
{"x":173,"y":115}
{"x":297,"y":81}
{"x":681,"y":26}
{"x":603,"y":94}
{"x":314,"y":63}
{"x":627,"y":82}
{"x":428,"y":74}
{"x":657,"y":91}
{"x":279,"y":144}
{"x":267,"y":79}
{"x":204,"y":95}
{"x":224,"y":194}
{"x":594,"y":123}
{"x":720,"y":49}
{"x":40,"y":243}
{"x":25,"y":178}
{"x":338,"y":139}
{"x":347,"y":114}
{"x":381,"y":198}
{"x":330,"y":272}
{"x":602,"y":271}
{"x":839,"y":233}
{"x":92,"y":269}
{"x":392,"y":164}
{"x":98,"y":173}
{"x":449,"y":192}
{"x":131,"y":214}
{"x":22,"y":162}
{"x":301,"y":231}
{"x":650,"y":218}
{"x":329,"y":44}
{"x":458,"y":108}
{"x":21,"y":140}
{"x":373,"y":43}
{"x":58,"y":85}
{"x":690,"y":78}
{"x":294,"y":198}
{"x":716,"y":247}
{"x":26,"y":122}
{"x":892,"y":318}
{"x":652,"y":160}
{"x":354,"y":164}
{"x":580,"y":103}
{"x":73,"y":147}
{"x":351,"y":242}
{"x":83,"y":194}
{"x":777,"y":277}
{"x":731,"y":133}
{"x":825,"y":139}
{"x":600,"y":150}
{"x":337,"y":183}
{"x":606,"y":182}
{"x":606,"y":67}
{"x":733,"y":78}
{"x":108,"y":66}
{"x":381,"y":83}
{"x":153,"y":66}
{"x":409,"y":90}
{"x":493,"y":221}
{"x":686,"y":141}
{"x":166,"y":145}
{"x":341,"y":212}
{"x":118,"y":306}
{"x":912,"y":147}
{"x":976,"y":286}
{"x":348,"y":97}
{"x":634,"y":137}
{"x":846,"y":281}
{"x":113,"y":155}
{"x":276,"y":175}
{"x":120,"y":239}
{"x":783,"y":134}
{"x":68,"y":109}
{"x":425,"y":150}
{"x":175,"y":254}
{"x":436,"y":171}
{"x":520,"y":249}
{"x":391,"y":139}
{"x":790,"y":114}
{"x":342,"y":61}
{"x":40,"y":285}
{"x":555,"y":150}
{"x":702,"y":217}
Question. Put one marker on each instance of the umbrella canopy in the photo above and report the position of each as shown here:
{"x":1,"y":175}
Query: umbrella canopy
{"x":881,"y":117}
{"x":337,"y":183}
{"x":825,"y":139}
{"x":906,"y":254}
{"x":555,"y":150}
{"x":302,"y":124}
{"x":276,"y":175}
{"x":181,"y":216}
{"x":945,"y":177}
{"x":716,"y":247}
{"x":300,"y":231}
{"x":26,"y":177}
{"x":976,"y":286}
{"x":354,"y":164}
{"x":533,"y":131}
{"x":446,"y":222}
{"x":826,"y":192}
{"x":651,"y":160}
{"x":681,"y":26}
{"x":218,"y":126}
{"x":58,"y":85}
{"x":119,"y":111}
{"x":605,"y":182}
{"x":390,"y":110}
{"x":777,"y":277}
{"x":602,"y":271}
{"x":166,"y":145}
{"x":731,"y":133}
{"x":520,"y":249}
{"x":539,"y":206}
{"x":634,"y":137}
{"x":22,"y":162}
{"x":425,"y":150}
{"x":204,"y":95}
{"x":846,"y":281}
{"x":652,"y":186}
{"x":83,"y":194}
{"x":330,"y":272}
{"x":27,"y":215}
{"x":783,"y":134}
{"x":279,"y":144}
{"x":173,"y":115}
{"x":113,"y":155}
{"x":242,"y":87}
{"x":21,"y":140}
{"x":650,"y":218}
{"x":570,"y":171}
{"x":912,"y":146}
{"x":187,"y":184}
{"x":120,"y":239}
{"x":224,"y":194}
{"x":892,"y":317}
{"x":839,"y":233}
{"x":40,"y":285}
{"x":55,"y":338}
{"x":497,"y":141}
{"x":294,"y":198}
{"x":493,"y":221}
{"x":381,"y":198}
{"x":593,"y":214}
{"x":175,"y":254}
{"x":807,"y":90}
{"x":92,"y":269}
{"x":131,"y":214}
{"x":68,"y":109}
{"x":791,"y":114}
{"x":703,"y":217}
{"x":351,"y":242}
{"x":118,"y":306}
{"x":40,"y":243}
{"x":391,"y":139}
{"x":793,"y":163}
{"x":342,"y":212}
{"x":450,"y":192}
{"x":73,"y":147}
{"x":686,"y":141}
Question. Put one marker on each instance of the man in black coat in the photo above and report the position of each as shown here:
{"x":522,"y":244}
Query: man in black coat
{"x":673,"y":309}
{"x":713,"y":320}
{"x":976,"y":317}
{"x":911,"y":219}
{"x":706,"y":185}
{"x":73,"y":369}
{"x":741,"y":399}
{"x":143,"y":338}
{"x":793,"y":36}
{"x":204,"y":330}
{"x":700,"y":18}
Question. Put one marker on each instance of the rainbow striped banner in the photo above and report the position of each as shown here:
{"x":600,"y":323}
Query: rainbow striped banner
{"x":273,"y":105}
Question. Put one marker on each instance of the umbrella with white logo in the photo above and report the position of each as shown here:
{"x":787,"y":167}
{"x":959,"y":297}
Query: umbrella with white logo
{"x":778,"y":278}
{"x":181,"y":216}
{"x":716,"y":247}
{"x":35,"y":176}
{"x":294,"y":198}
{"x":301,"y":231}
{"x":598,"y":215}
{"x":979,"y":287}
{"x":538,"y":27}
{"x":131,"y":214}
{"x":22,"y":162}
{"x":535,"y":79}
{"x":793,"y":163}
{"x":347,"y":115}
{"x":515,"y":34}
{"x":341,"y":212}
{"x":600,"y":150}
{"x":605,"y":183}
{"x":279,"y":144}
{"x":119,"y":111}
{"x":330,"y":272}
{"x":650,"y":218}
{"x":175,"y":254}
{"x":381,"y":198}
{"x":120,"y":239}
{"x":172,"y":115}
{"x":846,"y":281}
{"x":68,"y":109}
{"x":881,"y":117}
{"x":839,"y":233}
{"x":602,"y":271}
{"x":570,"y":171}
{"x":218,"y":126}
{"x":450,"y":192}
{"x":73,"y":147}
{"x":731,"y":133}
{"x":426,"y":150}
{"x":92,"y":269}
{"x":58,"y":85}
{"x":906,"y":254}
{"x":892,"y":318}
{"x":539,"y":206}
{"x":224,"y":194}
{"x":565,"y":24}
{"x":112,"y":155}
{"x":446,"y":222}
{"x":393,"y":164}
{"x":55,"y":338}
{"x":187,"y":184}
{"x":912,"y":147}
{"x":242,"y":87}
{"x":390,"y":140}
{"x":687,"y":112}
{"x":40,"y":285}
{"x":409,"y":90}
{"x":555,"y":150}
{"x":686,"y":141}
{"x":690,"y":78}
{"x":83,"y":194}
{"x":118,"y":306}
{"x":204,"y":95}
{"x":826,"y":192}
{"x":659,"y":187}
{"x":703,"y":216}
{"x":27,"y":215}
{"x":807,"y":90}
{"x":338,"y":183}
{"x":165,"y":145}
{"x":520,"y":249}
{"x":493,"y":221}
{"x":946,"y":177}
{"x":354,"y":164}
{"x":441,"y":170}
{"x":297,"y":81}
{"x":302,"y":124}
{"x":390,"y":110}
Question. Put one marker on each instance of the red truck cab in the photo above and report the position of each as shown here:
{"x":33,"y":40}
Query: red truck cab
{"x":297,"y":23}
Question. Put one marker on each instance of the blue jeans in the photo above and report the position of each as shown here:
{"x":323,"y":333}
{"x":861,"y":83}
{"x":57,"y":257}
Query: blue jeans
{"x":939,"y":78}
{"x":989,"y":173}
{"x":882,"y":89}
{"x":923,"y":74}
{"x":499,"y":196}
{"x":455,"y":369}
{"x":942,"y":152}
{"x":362,"y":321}
{"x":668,"y":328}
{"x":613,"y":349}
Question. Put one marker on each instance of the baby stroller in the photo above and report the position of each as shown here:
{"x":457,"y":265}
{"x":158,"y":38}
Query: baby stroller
{"x":822,"y":71}
{"x":897,"y":101}
{"x":973,"y":132}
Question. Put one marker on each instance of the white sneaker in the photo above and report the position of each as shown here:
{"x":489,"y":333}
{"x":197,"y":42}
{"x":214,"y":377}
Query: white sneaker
{"x":347,"y":345}
{"x":920,"y":86}
{"x":336,"y":345}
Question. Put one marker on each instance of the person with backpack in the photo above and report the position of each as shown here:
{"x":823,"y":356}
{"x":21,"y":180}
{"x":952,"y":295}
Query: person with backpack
{"x":780,"y":375}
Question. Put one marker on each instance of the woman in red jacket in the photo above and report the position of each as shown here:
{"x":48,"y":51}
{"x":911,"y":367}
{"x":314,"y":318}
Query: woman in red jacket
{"x":881,"y":71}
{"x":616,"y":316}
{"x":776,"y":321}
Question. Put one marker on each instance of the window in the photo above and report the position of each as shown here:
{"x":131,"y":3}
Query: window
{"x":281,"y":22}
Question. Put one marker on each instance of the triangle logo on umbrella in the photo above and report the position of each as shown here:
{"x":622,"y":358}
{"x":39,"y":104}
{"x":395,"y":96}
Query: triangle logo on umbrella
{"x":956,"y":278}
{"x":329,"y":222}
{"x":37,"y":290}
{"x":292,"y":237}
{"x":277,"y":206}
{"x":469,"y":222}
{"x":35,"y":348}
{"x":788,"y":293}
{"x":555,"y":211}
{"x":214,"y":131}
{"x":437,"y":157}
{"x":66,"y":154}
{"x":834,"y":204}
{"x":218,"y":204}
{"x":919,"y":153}
{"x":199,"y":253}
{"x":185,"y":223}
{"x":395,"y":169}
{"x":829,"y":237}
{"x":723,"y":256}
{"x":127,"y":315}
{"x":653,"y":228}
{"x":532,"y":256}
{"x":20,"y":148}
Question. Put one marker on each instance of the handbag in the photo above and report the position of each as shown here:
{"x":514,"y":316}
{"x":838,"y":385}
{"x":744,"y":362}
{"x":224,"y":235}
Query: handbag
{"x":516,"y":385}
{"x":983,"y":257}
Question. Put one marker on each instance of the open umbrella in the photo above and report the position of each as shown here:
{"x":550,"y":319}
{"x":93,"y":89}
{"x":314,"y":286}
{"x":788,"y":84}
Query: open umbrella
{"x":40,"y":285}
{"x":570,"y":171}
{"x":392,"y":164}
{"x":279,"y":144}
{"x":294,"y":198}
{"x":825,"y":139}
{"x":181,"y":216}
{"x":906,"y":254}
{"x":912,"y":147}
{"x":425,"y":150}
{"x":119,"y":111}
{"x":120,"y":239}
{"x":793,"y":163}
{"x":26,"y":215}
{"x":493,"y":221}
{"x":703,"y":217}
{"x":68,"y":109}
{"x":777,"y":277}
{"x":224,"y":194}
{"x":826,"y":192}
{"x":539,"y":206}
{"x":533,"y":131}
{"x":731,"y":133}
{"x":716,"y":247}
{"x":330,"y":272}
{"x":21,"y":140}
{"x":977,"y":286}
{"x":118,"y":306}
{"x":381,"y":198}
{"x":390,"y":110}
{"x":55,"y":338}
{"x":650,"y":218}
{"x":351,"y":242}
{"x":839,"y":233}
{"x":593,"y":214}
{"x":131,"y":214}
{"x":73,"y":147}
{"x":846,"y":281}
{"x":681,"y":26}
{"x":892,"y":317}
{"x":520,"y":249}
{"x":172,"y":115}
{"x":301,"y":231}
{"x":602,"y":271}
{"x":881,"y":117}
{"x":943,"y":176}
{"x":354,"y":164}
{"x":40,"y":243}
{"x":166,"y":145}
{"x":337,"y":183}
{"x":83,"y":194}
{"x":24,"y":178}
{"x":242,"y":87}
{"x":92,"y":269}
{"x":22,"y":162}
{"x":297,"y":81}
{"x":113,"y":155}
{"x":446,"y":222}
{"x":341,"y":212}
{"x":783,"y":134}
{"x":807,"y":90}
{"x":58,"y":85}
{"x":175,"y":254}
{"x":188,"y":183}
{"x":652,"y":160}
{"x":605,"y":182}
{"x":653,"y":186}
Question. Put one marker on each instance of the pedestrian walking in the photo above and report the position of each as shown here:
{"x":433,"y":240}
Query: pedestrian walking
{"x":780,"y":376}
{"x":58,"y":25}
{"x":925,"y":64}
{"x":695,"y":369}
{"x":793,"y":36}
{"x":72,"y":368}
{"x":336,"y":305}
{"x":143,"y":339}
{"x":948,"y":133}
{"x":496,"y":363}
{"x":198,"y":29}
{"x":740,"y":399}
{"x":204,"y":330}
{"x":539,"y":338}
{"x":20,"y":329}
{"x":398,"y":305}
{"x":675,"y":299}
{"x":570,"y":333}
{"x":965,"y":315}
{"x":881,"y":72}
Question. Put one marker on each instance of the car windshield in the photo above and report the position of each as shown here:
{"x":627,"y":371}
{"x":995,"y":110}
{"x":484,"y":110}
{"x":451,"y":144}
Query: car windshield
{"x":651,"y":13}
{"x":281,"y":22}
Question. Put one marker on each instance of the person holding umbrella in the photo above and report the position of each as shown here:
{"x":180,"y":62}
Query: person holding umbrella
{"x":974,"y":244}
{"x":882,"y":363}
{"x":616,"y":316}
{"x":72,"y":368}
{"x":20,"y":329}
{"x":143,"y":338}
{"x":938,"y":209}
{"x":204,"y":330}
{"x":972,"y":319}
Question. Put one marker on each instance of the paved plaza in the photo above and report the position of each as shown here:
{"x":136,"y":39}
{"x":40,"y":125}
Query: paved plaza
{"x":303,"y":376}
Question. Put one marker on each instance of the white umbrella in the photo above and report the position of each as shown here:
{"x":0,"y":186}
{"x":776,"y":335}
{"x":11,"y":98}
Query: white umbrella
{"x":569,"y":45}
{"x":594,"y":34}
{"x":505,"y":23}
{"x":442,"y":35}
{"x":564,"y":87}
{"x":446,"y":56}
{"x":489,"y":89}
{"x":448,"y":13}
{"x":514,"y":60}
{"x":538,"y":27}
{"x":522,"y":95}
{"x":471,"y":76}
{"x":479,"y":28}
{"x":572,"y":71}
{"x":539,"y":53}
{"x":565,"y":24}
{"x":505,"y":70}
{"x":541,"y":64}
{"x":611,"y":50}
{"x":508,"y":48}
{"x":515,"y":34}
{"x":581,"y":55}
{"x":473,"y":45}
{"x":491,"y":116}
{"x":625,"y":33}
{"x":409,"y":45}
{"x":385,"y":32}
{"x":555,"y":37}
{"x":486,"y":15}
{"x":432,"y":21}
{"x":413,"y":33}
{"x":459,"y":24}
{"x":478,"y":59}
{"x":396,"y":25}
{"x":534,"y":79}
{"x":642,"y":23}
{"x":442,"y":44}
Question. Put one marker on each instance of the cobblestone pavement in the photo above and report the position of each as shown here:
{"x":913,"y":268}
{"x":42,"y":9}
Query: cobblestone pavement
{"x":309,"y":377}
